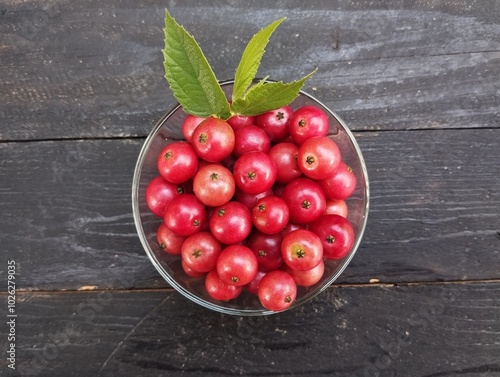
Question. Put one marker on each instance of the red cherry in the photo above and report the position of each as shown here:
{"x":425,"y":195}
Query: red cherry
{"x":177,"y":162}
{"x":250,"y":138}
{"x":185,"y":215}
{"x":301,"y":250}
{"x":160,"y":192}
{"x":277,"y":290}
{"x":237,"y":265}
{"x":254,"y":172}
{"x":285,"y":157}
{"x":218,"y":289}
{"x":318,"y":157}
{"x":213,"y":139}
{"x":275,"y":123}
{"x":231,"y":223}
{"x":305,"y":199}
{"x":336,"y":235}
{"x":306,"y":122}
{"x":340,"y":184}
{"x":189,"y":125}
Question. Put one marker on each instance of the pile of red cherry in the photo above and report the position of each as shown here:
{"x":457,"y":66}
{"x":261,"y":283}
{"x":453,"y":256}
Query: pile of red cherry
{"x":255,"y":203}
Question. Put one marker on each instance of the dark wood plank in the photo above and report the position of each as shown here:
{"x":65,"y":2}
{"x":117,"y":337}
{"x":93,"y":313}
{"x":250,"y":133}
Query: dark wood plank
{"x":423,"y":330}
{"x":67,"y":217}
{"x":93,"y":69}
{"x":432,"y":202}
{"x":436,"y":92}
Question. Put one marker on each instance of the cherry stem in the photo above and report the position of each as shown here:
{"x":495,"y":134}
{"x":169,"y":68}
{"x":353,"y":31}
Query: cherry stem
{"x":197,"y":253}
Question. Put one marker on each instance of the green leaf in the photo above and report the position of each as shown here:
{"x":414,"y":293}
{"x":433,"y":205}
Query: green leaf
{"x":267,"y":96}
{"x":250,"y":59}
{"x":189,"y":75}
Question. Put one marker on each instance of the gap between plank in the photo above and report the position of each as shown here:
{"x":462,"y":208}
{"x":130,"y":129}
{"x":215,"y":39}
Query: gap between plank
{"x":139,"y":137}
{"x":339,"y":285}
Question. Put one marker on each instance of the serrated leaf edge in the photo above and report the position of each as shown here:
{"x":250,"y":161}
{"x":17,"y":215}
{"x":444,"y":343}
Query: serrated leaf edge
{"x":218,"y":110}
{"x":246,"y":79}
{"x":258,"y":86}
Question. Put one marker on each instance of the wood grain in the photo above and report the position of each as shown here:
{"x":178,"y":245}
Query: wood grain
{"x":427,"y":330}
{"x":67,"y":217}
{"x":90,"y":69}
{"x":81,"y":85}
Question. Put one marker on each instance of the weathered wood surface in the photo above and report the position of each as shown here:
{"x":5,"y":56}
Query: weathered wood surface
{"x":94,"y":69}
{"x":427,"y":330}
{"x":435,"y":205}
{"x":81,"y":85}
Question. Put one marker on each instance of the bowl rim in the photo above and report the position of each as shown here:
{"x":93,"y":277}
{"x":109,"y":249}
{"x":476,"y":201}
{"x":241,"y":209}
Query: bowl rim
{"x":220,"y":308}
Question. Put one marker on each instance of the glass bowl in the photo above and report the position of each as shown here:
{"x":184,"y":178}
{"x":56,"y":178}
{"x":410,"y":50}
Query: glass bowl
{"x":168,"y":129}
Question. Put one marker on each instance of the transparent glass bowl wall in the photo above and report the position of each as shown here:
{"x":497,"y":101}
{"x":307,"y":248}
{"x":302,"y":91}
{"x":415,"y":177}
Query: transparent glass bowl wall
{"x":168,"y":129}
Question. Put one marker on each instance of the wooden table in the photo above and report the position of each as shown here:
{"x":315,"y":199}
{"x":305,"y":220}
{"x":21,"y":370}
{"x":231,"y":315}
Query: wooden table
{"x":81,"y":85}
